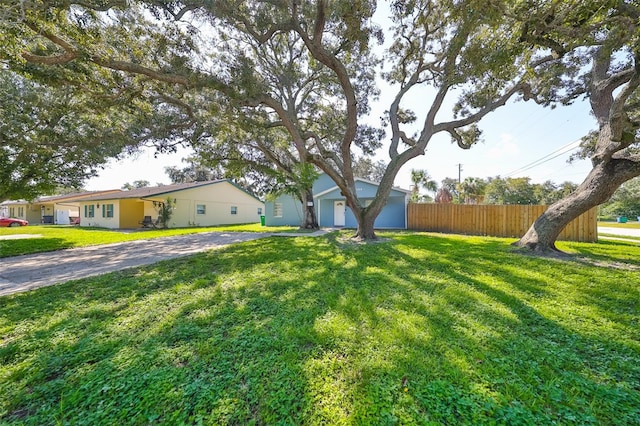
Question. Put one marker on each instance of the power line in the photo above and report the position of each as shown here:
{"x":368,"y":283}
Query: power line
{"x":555,"y":154}
{"x":531,"y":120}
{"x":557,"y":173}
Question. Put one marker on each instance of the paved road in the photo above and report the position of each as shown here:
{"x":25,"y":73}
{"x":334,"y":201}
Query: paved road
{"x":623,"y":232}
{"x":23,"y":273}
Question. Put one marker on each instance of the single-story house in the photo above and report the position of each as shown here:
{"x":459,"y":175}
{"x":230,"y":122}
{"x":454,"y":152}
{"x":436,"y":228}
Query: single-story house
{"x":56,"y":209}
{"x":331,"y":206}
{"x":209,"y":203}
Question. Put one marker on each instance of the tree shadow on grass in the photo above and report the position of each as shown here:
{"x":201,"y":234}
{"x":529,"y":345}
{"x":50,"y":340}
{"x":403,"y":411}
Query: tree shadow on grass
{"x":307,"y":331}
{"x":559,"y":355}
{"x":609,"y":254}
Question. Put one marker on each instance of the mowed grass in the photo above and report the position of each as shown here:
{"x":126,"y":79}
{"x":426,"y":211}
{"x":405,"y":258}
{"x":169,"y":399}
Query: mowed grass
{"x":415,"y":329}
{"x":51,"y":238}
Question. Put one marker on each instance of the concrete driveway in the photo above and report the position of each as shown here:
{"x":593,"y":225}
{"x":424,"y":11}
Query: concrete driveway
{"x":23,"y":273}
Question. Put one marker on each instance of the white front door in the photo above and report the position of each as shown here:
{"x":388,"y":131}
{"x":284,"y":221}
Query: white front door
{"x":338,"y":213}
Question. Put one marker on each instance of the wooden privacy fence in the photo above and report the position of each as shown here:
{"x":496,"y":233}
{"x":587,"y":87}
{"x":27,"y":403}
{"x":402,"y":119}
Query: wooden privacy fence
{"x":495,"y":221}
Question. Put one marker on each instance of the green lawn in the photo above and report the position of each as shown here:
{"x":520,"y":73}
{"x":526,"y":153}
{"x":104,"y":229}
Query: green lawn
{"x":50,"y":238}
{"x":415,"y":329}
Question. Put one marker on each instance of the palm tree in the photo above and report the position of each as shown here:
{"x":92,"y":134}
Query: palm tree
{"x":421,"y":178}
{"x":472,"y":190}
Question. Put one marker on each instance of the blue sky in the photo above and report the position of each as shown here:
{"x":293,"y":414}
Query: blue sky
{"x":515,"y":136}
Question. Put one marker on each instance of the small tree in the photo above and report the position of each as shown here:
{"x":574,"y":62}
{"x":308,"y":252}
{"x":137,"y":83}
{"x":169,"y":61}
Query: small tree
{"x":448,"y":188}
{"x":472,"y":190}
{"x":300,"y":188}
{"x":165,"y":210}
{"x":444,"y":196}
{"x":510,"y":191}
{"x":421,"y":179}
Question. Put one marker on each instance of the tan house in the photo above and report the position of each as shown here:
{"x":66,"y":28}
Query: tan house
{"x":210,"y":203}
{"x":56,"y":209}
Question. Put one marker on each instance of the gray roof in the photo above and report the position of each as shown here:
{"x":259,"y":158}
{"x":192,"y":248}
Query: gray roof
{"x":73,"y":196}
{"x":151,"y":191}
{"x":65,"y":197}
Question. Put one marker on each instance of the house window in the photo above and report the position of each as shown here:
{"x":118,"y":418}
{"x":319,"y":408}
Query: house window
{"x":20,"y":211}
{"x":89,"y":210}
{"x":277,"y":209}
{"x":234,"y":210}
{"x":201,"y":209}
{"x":107,"y":210}
{"x":259,"y":210}
{"x":12,"y":212}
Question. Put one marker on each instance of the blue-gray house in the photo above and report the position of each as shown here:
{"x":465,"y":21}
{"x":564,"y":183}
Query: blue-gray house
{"x":331,"y":207}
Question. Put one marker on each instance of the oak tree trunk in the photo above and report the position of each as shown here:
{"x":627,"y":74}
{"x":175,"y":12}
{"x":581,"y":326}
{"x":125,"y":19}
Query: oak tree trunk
{"x":598,"y":187}
{"x":309,"y":219}
{"x":365,"y":229}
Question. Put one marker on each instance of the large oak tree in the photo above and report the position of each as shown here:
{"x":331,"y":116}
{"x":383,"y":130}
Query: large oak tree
{"x":294,"y":75}
{"x":598,"y":51}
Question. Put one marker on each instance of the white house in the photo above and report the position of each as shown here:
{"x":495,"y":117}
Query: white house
{"x":209,"y":203}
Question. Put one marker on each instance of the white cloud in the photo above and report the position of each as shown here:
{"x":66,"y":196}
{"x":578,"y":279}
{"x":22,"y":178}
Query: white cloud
{"x":505,"y":148}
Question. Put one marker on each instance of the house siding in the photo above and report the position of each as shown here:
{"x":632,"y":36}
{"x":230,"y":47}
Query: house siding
{"x":291,"y":212}
{"x":20,"y":210}
{"x":98,"y":220}
{"x":56,"y":209}
{"x":218,"y":199}
{"x":323,"y":183}
{"x":132,"y":212}
{"x":33,"y":213}
{"x":393,"y":214}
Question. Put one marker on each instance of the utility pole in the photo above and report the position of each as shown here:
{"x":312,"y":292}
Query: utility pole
{"x":459,"y":172}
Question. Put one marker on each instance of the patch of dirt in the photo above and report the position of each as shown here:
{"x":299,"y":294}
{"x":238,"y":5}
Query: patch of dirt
{"x":351,"y":241}
{"x":611,"y":265}
{"x":568,"y":257}
{"x":549,"y":254}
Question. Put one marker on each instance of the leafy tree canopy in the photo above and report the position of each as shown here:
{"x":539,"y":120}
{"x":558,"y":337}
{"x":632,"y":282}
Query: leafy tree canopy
{"x":625,"y":201}
{"x":49,"y":139}
{"x":194,"y":171}
{"x":366,"y":168}
{"x":136,"y":184}
{"x":292,"y":80}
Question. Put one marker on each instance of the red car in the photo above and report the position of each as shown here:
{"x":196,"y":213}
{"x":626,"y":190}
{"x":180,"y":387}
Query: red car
{"x":10,"y":221}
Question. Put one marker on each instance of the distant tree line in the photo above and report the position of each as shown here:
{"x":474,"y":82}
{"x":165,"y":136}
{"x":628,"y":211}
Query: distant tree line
{"x":492,"y":190}
{"x":624,"y":202}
